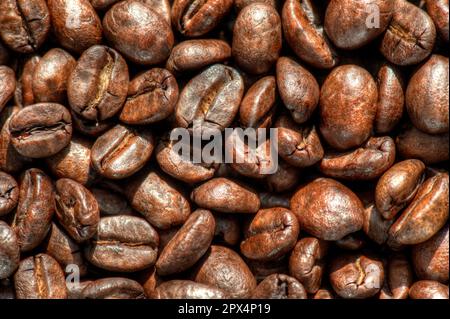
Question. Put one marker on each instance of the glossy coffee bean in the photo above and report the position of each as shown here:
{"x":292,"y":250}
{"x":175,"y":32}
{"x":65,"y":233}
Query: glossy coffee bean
{"x":327,"y":209}
{"x":7,"y":85}
{"x":410,"y":36}
{"x":428,"y":289}
{"x":75,"y":31}
{"x":298,"y":89}
{"x":304,"y":32}
{"x":186,"y":289}
{"x":41,"y":130}
{"x":226,"y":196}
{"x":24,"y":25}
{"x":123,"y":243}
{"x":399,"y":278}
{"x":138,"y":32}
{"x":188,"y":245}
{"x":24,"y":94}
{"x":40,"y":277}
{"x":121,"y":151}
{"x":151,"y":97}
{"x":9,"y":251}
{"x":279,"y":286}
{"x":9,"y":193}
{"x":438,"y":11}
{"x":348,"y":101}
{"x":427,"y":96}
{"x":113,"y":288}
{"x":98,"y":85}
{"x":35,"y":209}
{"x":195,"y":18}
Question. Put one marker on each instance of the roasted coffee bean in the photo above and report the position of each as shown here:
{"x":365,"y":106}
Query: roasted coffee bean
{"x":7,"y":85}
{"x":428,"y":289}
{"x":375,"y":226}
{"x":195,"y":18}
{"x":427,"y":96}
{"x":24,"y":25}
{"x":113,"y":288}
{"x":122,"y":151}
{"x":24,"y":95}
{"x":9,"y":251}
{"x":123,"y":243}
{"x":98,"y":85}
{"x":186,"y":289}
{"x":151,"y":97}
{"x":279,"y":286}
{"x":438,"y":11}
{"x":138,"y":32}
{"x":40,"y":277}
{"x":399,"y":278}
{"x":41,"y":130}
{"x":9,"y":193}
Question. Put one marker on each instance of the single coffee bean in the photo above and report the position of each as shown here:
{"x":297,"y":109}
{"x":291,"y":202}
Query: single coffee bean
{"x":138,"y":32}
{"x":399,"y":278}
{"x":191,"y":55}
{"x":353,"y":24}
{"x":40,"y":277}
{"x":272,"y":233}
{"x":391,"y":99}
{"x":348,"y":106}
{"x":7,"y":85}
{"x":151,"y":97}
{"x":304,"y":32}
{"x":284,"y":179}
{"x":9,"y":193}
{"x":228,"y":230}
{"x":65,"y":250}
{"x":428,"y":289}
{"x":122,"y":151}
{"x":195,"y":18}
{"x":223,"y":268}
{"x":41,"y":130}
{"x":24,"y":25}
{"x":307,"y":264}
{"x":51,"y":75}
{"x":98,"y":85}
{"x":188,"y":245}
{"x":314,"y":205}
{"x":156,"y":198}
{"x":398,"y":186}
{"x":24,"y":94}
{"x":427,"y":96}
{"x":90,"y":128}
{"x":375,"y":226}
{"x":257,"y":38}
{"x":76,"y":209}
{"x":258,"y":105}
{"x":123,"y":243}
{"x":356,"y":276}
{"x":425,"y":215}
{"x":226,"y":196}
{"x":113,"y":288}
{"x":186,"y":289}
{"x":438,"y":11}
{"x":111,"y":202}
{"x":75,"y":24}
{"x":279,"y":286}
{"x":367,"y":162}
{"x":410,"y":36}
{"x":430,"y":258}
{"x":298,"y":145}
{"x":35,"y":209}
{"x":211,"y":99}
{"x":9,"y":251}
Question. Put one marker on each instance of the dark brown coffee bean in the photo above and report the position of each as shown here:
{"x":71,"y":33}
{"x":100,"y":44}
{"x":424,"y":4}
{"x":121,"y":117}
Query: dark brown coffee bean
{"x":306,"y":262}
{"x":375,"y":226}
{"x":327,"y":209}
{"x":152,"y":97}
{"x":195,"y":18}
{"x":113,"y":288}
{"x":188,"y":245}
{"x":111,"y":202}
{"x":226,"y":196}
{"x":123,"y":243}
{"x":35,"y":210}
{"x":98,"y":85}
{"x":348,"y":105}
{"x":138,"y":32}
{"x":9,"y":193}
{"x":24,"y":25}
{"x":41,"y":130}
{"x":51,"y":75}
{"x":269,"y":200}
{"x":427,"y":96}
{"x":410,"y":36}
{"x":9,"y":251}
{"x":263,"y":269}
{"x":398,"y":186}
{"x":228,"y":230}
{"x":279,"y":286}
{"x":191,"y":55}
{"x":24,"y":94}
{"x":399,"y":278}
{"x":304,"y":33}
{"x":40,"y":277}
{"x":88,"y":127}
{"x":353,"y":241}
{"x":284,"y":179}
{"x":186,"y":289}
{"x":7,"y":85}
{"x":222,"y":268}
{"x":428,"y":289}
{"x":75,"y":24}
{"x":368,"y":162}
{"x":438,"y":11}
